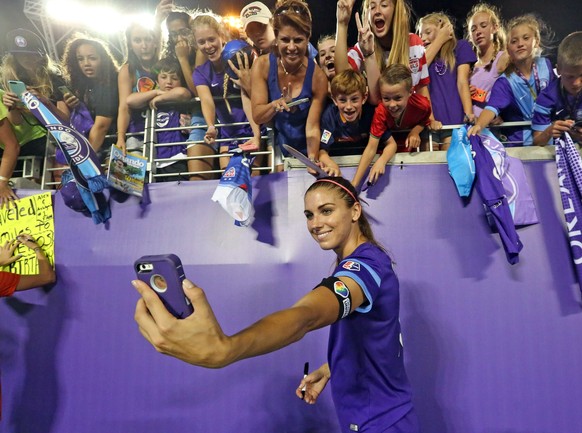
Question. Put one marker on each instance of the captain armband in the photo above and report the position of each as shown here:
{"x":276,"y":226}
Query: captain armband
{"x":342,"y":294}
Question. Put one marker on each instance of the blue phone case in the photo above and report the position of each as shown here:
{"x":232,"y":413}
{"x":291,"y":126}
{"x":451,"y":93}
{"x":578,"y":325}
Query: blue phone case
{"x":164,"y":273}
{"x":17,"y":87}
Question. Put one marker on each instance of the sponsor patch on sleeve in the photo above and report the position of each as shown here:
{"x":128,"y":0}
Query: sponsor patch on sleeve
{"x":325,"y":136}
{"x":351,"y":266}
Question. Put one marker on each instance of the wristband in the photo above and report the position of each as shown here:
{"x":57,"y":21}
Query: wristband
{"x":4,"y":179}
{"x":369,"y":55}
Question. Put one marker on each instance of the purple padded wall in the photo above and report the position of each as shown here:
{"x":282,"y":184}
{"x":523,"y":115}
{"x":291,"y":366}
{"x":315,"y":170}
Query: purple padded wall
{"x":490,"y":348}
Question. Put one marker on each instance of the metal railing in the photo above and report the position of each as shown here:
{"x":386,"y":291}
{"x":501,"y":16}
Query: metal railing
{"x":32,"y":165}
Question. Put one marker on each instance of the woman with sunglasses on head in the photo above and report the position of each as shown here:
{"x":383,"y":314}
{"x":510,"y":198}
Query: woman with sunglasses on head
{"x":360,"y":301}
{"x":285,"y":75}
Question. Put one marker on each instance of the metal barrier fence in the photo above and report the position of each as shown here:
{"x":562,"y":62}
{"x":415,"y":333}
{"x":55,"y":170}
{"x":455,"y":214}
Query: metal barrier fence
{"x":32,"y":165}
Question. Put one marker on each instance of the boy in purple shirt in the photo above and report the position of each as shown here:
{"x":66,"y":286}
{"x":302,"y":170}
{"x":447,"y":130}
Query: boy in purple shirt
{"x":558,"y":108}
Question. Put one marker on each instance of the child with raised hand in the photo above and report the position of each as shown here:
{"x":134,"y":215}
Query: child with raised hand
{"x":449,"y":75}
{"x":171,"y":87}
{"x":345,"y":124}
{"x":401,"y":109}
{"x":558,"y":108}
{"x":485,"y":31}
{"x":515,"y":91}
{"x":383,"y":39}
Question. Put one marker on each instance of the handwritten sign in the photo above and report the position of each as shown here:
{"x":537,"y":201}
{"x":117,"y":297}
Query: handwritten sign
{"x":31,"y":215}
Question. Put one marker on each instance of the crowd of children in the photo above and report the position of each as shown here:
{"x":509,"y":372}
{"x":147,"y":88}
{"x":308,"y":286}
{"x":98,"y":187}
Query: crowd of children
{"x":380,"y":96}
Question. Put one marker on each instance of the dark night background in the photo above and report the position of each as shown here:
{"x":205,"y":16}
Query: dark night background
{"x":563,"y":17}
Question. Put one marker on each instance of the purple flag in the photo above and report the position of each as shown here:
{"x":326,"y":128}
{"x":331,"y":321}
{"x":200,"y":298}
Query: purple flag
{"x":512,"y":175}
{"x":569,"y":165}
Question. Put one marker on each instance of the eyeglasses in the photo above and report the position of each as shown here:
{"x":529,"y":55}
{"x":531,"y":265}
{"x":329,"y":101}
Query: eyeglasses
{"x":182,"y":32}
{"x":294,"y":9}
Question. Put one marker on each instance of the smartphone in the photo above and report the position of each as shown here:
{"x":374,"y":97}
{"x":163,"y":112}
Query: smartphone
{"x":65,"y":89}
{"x":164,"y":273}
{"x":17,"y":87}
{"x":297,"y":102}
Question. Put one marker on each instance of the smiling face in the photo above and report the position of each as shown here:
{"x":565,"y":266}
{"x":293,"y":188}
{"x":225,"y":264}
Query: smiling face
{"x":292,"y":46}
{"x":522,"y":43}
{"x":143,"y":44}
{"x":208,"y":41}
{"x":482,"y":30}
{"x":427,"y":33}
{"x":350,"y":106}
{"x":330,"y":221}
{"x":395,"y":98}
{"x":89,"y":61}
{"x":326,"y":57}
{"x":380,"y":14}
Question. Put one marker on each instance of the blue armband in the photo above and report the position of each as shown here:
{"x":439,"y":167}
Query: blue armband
{"x":342,"y":294}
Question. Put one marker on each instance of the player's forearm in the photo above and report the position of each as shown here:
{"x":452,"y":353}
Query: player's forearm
{"x":270,"y":333}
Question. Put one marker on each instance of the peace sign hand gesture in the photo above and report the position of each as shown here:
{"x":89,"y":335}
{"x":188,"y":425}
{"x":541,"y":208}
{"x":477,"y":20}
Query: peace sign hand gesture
{"x":365,"y":37}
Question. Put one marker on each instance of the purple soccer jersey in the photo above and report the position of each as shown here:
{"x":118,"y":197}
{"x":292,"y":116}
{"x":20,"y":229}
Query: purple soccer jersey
{"x":205,"y":75}
{"x":554,"y":103}
{"x":369,"y":384}
{"x":492,"y":193}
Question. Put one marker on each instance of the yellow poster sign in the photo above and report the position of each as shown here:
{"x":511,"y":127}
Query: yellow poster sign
{"x":31,"y":215}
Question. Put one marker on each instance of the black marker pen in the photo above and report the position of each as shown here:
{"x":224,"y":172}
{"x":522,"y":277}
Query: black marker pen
{"x":305,"y":373}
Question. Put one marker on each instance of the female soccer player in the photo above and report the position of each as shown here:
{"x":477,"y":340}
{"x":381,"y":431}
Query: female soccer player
{"x":360,"y":301}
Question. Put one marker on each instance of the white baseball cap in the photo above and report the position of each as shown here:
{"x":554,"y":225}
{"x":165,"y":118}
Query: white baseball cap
{"x":255,"y":12}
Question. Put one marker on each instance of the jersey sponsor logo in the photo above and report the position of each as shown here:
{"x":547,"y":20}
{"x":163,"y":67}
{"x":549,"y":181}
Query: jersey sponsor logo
{"x":351,"y":266}
{"x":163,"y":118}
{"x":231,"y":172}
{"x":341,"y":289}
{"x":347,"y":307}
{"x":414,"y":65}
{"x":325,"y":136}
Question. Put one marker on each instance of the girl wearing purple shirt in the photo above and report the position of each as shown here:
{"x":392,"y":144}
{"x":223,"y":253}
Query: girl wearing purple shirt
{"x":449,"y":76}
{"x":360,"y":301}
{"x":212,"y":82}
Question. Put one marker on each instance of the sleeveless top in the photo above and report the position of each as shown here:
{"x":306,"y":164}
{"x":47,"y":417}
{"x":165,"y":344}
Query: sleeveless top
{"x":290,"y":126}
